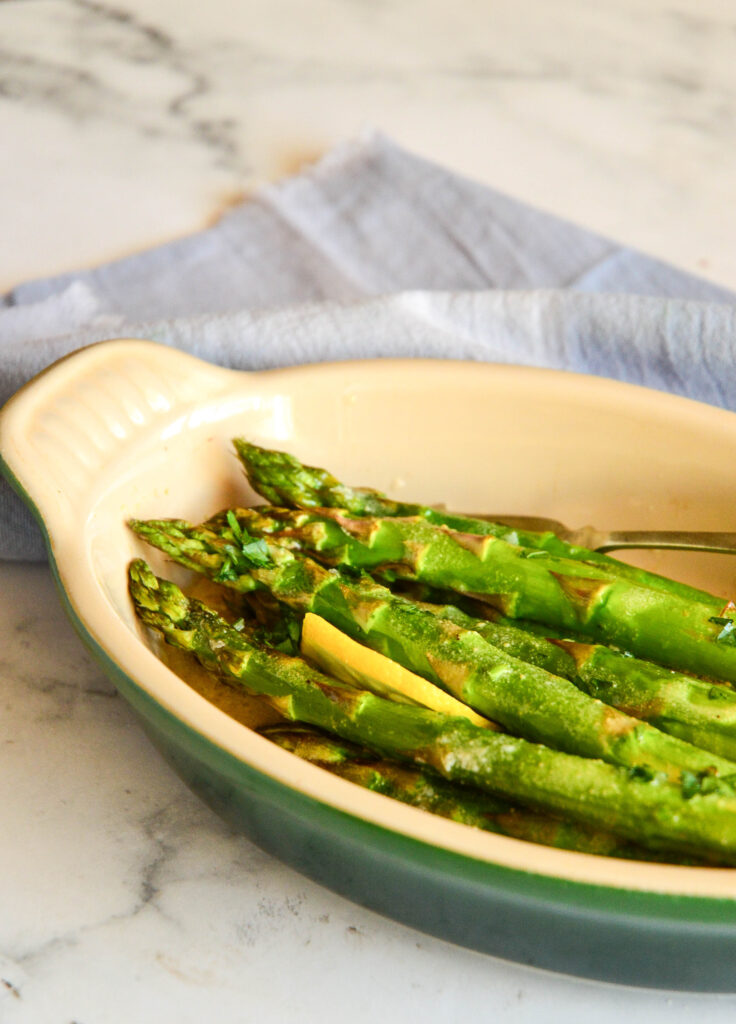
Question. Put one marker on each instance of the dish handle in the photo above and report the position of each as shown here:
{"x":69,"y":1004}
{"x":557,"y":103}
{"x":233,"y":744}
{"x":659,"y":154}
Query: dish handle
{"x":58,"y":432}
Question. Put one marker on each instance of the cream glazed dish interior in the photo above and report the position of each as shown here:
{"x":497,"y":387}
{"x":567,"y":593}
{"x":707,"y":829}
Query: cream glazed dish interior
{"x":132,"y":429}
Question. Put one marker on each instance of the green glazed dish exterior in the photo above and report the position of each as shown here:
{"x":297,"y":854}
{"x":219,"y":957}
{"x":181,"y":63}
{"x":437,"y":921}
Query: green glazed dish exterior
{"x":611,"y":935}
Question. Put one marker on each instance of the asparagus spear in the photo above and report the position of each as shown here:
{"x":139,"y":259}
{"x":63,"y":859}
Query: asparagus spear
{"x":422,"y":593}
{"x":529,"y":647}
{"x":660,"y":627}
{"x":700,"y":712}
{"x":284,"y":481}
{"x":526,"y":700}
{"x":697,"y":711}
{"x":643,"y":807}
{"x":420,"y":787}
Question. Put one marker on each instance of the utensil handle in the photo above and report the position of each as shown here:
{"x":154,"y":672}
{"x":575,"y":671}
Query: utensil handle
{"x":676,"y":540}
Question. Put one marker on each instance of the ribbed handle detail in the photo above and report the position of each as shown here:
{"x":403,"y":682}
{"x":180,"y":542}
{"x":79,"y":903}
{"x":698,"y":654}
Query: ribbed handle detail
{"x":73,"y":418}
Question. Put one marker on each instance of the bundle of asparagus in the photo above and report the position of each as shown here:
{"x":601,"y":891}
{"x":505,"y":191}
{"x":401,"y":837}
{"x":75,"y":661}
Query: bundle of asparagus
{"x":567,"y":706}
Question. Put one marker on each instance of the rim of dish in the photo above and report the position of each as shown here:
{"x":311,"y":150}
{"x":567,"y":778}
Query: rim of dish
{"x":107,"y":629}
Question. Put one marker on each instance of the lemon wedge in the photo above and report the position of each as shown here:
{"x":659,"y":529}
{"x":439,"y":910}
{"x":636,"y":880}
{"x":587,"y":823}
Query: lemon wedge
{"x":344,"y":658}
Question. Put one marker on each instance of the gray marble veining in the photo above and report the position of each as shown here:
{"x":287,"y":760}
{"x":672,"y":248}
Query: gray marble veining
{"x":612,"y":116}
{"x":118,"y":66}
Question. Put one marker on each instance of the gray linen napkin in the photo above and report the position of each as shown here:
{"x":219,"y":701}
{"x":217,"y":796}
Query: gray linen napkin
{"x":375,"y":252}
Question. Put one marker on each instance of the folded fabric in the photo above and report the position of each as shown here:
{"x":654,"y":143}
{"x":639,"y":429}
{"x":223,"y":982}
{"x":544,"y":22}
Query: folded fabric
{"x":375,"y":253}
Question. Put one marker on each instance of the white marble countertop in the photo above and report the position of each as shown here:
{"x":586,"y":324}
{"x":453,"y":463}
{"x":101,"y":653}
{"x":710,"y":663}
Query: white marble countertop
{"x":126,"y":124}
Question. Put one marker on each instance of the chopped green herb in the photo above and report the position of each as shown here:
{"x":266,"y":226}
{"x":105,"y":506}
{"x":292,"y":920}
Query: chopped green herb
{"x":702,"y":783}
{"x":256,"y":552}
{"x":727,"y":634}
{"x":720,"y":692}
{"x":234,"y":525}
{"x":225,"y":572}
{"x":251,"y":553}
{"x":689,"y":784}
